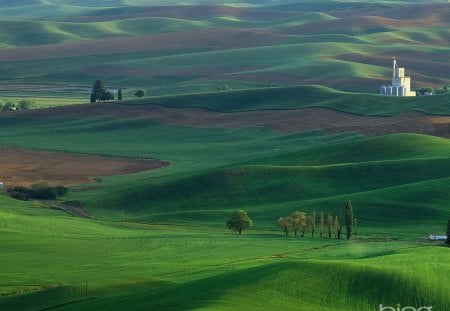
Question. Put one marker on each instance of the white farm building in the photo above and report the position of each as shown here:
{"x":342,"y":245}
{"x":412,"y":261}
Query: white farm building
{"x":401,"y":84}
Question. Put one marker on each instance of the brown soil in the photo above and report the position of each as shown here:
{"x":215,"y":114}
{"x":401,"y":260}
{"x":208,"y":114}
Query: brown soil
{"x":25,"y":167}
{"x":227,"y":38}
{"x":286,"y":121}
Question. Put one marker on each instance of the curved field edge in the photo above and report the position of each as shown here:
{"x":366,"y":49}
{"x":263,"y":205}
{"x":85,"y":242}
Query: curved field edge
{"x":316,"y":178}
{"x":274,"y":98}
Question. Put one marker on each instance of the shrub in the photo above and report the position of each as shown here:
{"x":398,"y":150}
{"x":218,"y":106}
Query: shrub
{"x":61,"y":190}
{"x":139,"y":93}
{"x":8,"y":106}
{"x":37,"y":191}
{"x":25,"y":104}
{"x":18,"y":195}
{"x":43,"y":192}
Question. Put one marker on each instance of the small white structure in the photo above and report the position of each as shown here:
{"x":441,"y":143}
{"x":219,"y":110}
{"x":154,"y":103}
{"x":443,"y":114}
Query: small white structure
{"x":437,"y":237}
{"x":401,"y":84}
{"x":2,"y":185}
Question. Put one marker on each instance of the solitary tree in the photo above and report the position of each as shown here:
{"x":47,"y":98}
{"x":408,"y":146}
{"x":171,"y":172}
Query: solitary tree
{"x":139,"y":93}
{"x":285,"y":223}
{"x":239,"y":221}
{"x":349,"y":219}
{"x":448,"y":233}
{"x":98,"y":91}
{"x":119,"y":94}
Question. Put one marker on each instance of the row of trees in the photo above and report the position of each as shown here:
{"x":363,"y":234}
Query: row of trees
{"x":301,"y":222}
{"x":101,"y":93}
{"x":41,"y":191}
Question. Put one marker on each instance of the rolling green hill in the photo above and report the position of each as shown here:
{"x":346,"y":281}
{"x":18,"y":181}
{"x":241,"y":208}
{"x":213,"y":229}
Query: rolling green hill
{"x":157,"y":239}
{"x":133,"y":45}
{"x":305,"y":97}
{"x":173,"y":252}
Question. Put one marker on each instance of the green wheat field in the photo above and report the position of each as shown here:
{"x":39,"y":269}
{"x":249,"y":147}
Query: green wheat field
{"x":224,"y":84}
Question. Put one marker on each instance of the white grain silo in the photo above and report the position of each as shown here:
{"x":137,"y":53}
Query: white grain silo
{"x":401,"y":84}
{"x":389,"y":90}
{"x":395,"y":90}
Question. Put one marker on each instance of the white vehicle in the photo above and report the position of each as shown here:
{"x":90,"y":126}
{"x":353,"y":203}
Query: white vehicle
{"x":437,"y":237}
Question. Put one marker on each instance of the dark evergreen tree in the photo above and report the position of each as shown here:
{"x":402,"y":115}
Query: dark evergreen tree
{"x":119,"y":94}
{"x":349,"y":219}
{"x":313,"y":224}
{"x":107,"y":96}
{"x":448,"y":233}
{"x":98,"y":90}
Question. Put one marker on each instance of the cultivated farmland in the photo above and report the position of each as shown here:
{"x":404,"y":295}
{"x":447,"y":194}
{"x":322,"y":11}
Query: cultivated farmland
{"x":268,"y":107}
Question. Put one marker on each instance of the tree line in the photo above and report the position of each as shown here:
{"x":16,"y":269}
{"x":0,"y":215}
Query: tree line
{"x":100,"y":92}
{"x":332,"y":225}
{"x":300,"y":222}
{"x":41,"y":191}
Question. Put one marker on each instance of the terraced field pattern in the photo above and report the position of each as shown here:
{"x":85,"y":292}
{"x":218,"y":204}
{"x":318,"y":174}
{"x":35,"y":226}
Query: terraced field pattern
{"x":265,"y":106}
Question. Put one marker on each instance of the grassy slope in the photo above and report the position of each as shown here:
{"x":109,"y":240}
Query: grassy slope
{"x":217,"y":170}
{"x":176,"y":268}
{"x":297,"y":58}
{"x":194,"y":264}
{"x":305,"y":97}
{"x":398,"y":186}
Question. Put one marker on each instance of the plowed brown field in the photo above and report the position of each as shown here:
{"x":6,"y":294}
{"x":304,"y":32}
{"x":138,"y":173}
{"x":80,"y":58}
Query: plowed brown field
{"x":222,"y":39}
{"x":25,"y":167}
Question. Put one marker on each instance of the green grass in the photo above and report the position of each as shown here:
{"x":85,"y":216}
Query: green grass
{"x":172,"y":251}
{"x":306,"y":97}
{"x":287,"y":60}
{"x":166,"y":267}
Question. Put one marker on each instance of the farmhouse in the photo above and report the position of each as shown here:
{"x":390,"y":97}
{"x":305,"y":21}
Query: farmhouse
{"x":401,"y":84}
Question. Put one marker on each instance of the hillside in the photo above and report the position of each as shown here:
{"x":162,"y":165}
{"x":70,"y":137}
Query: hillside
{"x":264,"y":106}
{"x":169,"y":48}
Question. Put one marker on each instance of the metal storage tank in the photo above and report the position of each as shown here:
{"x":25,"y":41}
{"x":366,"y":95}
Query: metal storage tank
{"x":402,"y":91}
{"x":383,"y":90}
{"x":389,"y":90}
{"x":394,"y":91}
